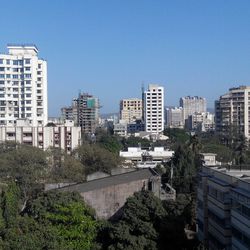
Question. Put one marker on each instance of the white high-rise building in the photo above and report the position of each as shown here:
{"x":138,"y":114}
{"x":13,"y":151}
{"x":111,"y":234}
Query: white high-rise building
{"x":23,"y":86}
{"x":192,"y":105}
{"x":174,"y":117}
{"x":153,"y":101}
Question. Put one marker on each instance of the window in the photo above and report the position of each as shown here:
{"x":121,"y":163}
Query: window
{"x":27,"y":68}
{"x":28,"y":108}
{"x":28,"y":82}
{"x":28,"y":95}
{"x":1,"y":82}
{"x":28,"y":102}
{"x":27,"y":61}
{"x":8,"y":76}
{"x":1,"y":75}
{"x":8,"y":61}
{"x":1,"y":68}
{"x":27,"y":75}
{"x":15,"y":69}
{"x":20,"y":62}
{"x":15,"y":62}
{"x":15,"y":76}
{"x":1,"y":61}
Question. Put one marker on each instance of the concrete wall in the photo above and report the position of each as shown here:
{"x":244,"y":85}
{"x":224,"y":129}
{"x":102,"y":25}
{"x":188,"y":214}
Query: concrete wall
{"x":107,"y":201}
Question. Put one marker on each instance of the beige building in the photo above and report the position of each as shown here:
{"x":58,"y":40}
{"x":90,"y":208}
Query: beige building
{"x":131,"y":109}
{"x":232,"y":110}
{"x":65,"y":136}
{"x":223,"y":207}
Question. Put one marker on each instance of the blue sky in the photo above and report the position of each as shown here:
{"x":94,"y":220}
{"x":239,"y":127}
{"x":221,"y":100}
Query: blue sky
{"x":110,"y":47}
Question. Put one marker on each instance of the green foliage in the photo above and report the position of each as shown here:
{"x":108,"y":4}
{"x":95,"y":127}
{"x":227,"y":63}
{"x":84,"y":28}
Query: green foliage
{"x":96,"y":158}
{"x":139,"y":225}
{"x":64,"y":167}
{"x":10,"y":205}
{"x":54,"y":220}
{"x":176,"y":135}
{"x":110,"y":142}
{"x":133,"y":141}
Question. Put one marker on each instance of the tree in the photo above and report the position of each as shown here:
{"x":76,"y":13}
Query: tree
{"x":139,"y":225}
{"x":54,"y":220}
{"x":96,"y":158}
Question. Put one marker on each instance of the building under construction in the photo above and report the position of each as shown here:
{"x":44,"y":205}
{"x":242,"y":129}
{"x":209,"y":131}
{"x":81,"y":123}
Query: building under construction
{"x":84,"y":111}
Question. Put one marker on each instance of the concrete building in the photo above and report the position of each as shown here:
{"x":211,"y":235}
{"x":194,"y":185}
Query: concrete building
{"x":84,"y":111}
{"x":65,"y":136}
{"x":202,"y":122}
{"x":174,"y":117}
{"x":120,"y":128}
{"x":232,"y":110}
{"x":108,"y":195}
{"x":23,"y":86}
{"x":153,"y":101}
{"x":137,"y":154}
{"x":223,"y":207}
{"x":192,"y":105}
{"x":131,"y":110}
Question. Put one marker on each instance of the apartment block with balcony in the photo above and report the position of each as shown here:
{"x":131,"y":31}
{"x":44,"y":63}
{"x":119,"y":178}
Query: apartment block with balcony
{"x":223,"y":207}
{"x":23,"y":86}
{"x":232,"y":111}
{"x":64,"y":135}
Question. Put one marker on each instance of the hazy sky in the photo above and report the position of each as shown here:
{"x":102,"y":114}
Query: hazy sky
{"x":110,"y":47}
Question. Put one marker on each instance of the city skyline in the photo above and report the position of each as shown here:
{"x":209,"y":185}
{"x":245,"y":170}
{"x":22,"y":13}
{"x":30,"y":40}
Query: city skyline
{"x":194,"y":48}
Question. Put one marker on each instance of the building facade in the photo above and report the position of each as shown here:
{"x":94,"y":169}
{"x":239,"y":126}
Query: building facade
{"x":23,"y":86}
{"x":223,"y":207}
{"x":232,"y":111}
{"x":131,"y":109}
{"x":153,"y":101}
{"x":174,"y":117}
{"x":65,"y":136}
{"x":202,"y":122}
{"x":84,"y":111}
{"x":191,"y":105}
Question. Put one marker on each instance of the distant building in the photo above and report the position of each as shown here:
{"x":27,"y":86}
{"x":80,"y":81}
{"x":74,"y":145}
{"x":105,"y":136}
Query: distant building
{"x":120,"y":128}
{"x":131,"y":110}
{"x":232,"y":111}
{"x":153,"y":101}
{"x":23,"y":86}
{"x":192,"y":105}
{"x":202,"y":122}
{"x":84,"y":111}
{"x":174,"y":117}
{"x":223,"y":207}
{"x":65,"y":136}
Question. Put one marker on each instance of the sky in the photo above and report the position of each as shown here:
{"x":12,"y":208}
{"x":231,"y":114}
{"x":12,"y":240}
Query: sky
{"x":109,"y":48}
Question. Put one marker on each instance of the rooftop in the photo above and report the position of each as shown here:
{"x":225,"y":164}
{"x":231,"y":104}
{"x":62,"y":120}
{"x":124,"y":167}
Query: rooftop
{"x":111,"y":180}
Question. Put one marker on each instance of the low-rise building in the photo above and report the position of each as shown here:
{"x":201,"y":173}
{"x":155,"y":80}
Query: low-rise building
{"x":202,"y":122}
{"x":139,"y":155}
{"x":65,"y":136}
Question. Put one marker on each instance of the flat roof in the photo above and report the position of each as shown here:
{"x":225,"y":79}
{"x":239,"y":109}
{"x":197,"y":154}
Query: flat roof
{"x":111,"y":180}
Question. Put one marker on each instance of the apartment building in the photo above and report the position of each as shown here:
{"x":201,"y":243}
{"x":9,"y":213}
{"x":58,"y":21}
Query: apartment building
{"x":131,"y":109}
{"x":174,"y":117}
{"x":192,"y":105}
{"x":202,"y":122}
{"x":223,"y":207}
{"x":23,"y":86}
{"x":232,"y":110}
{"x":61,"y":135}
{"x":153,"y":101}
{"x":84,"y":111}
